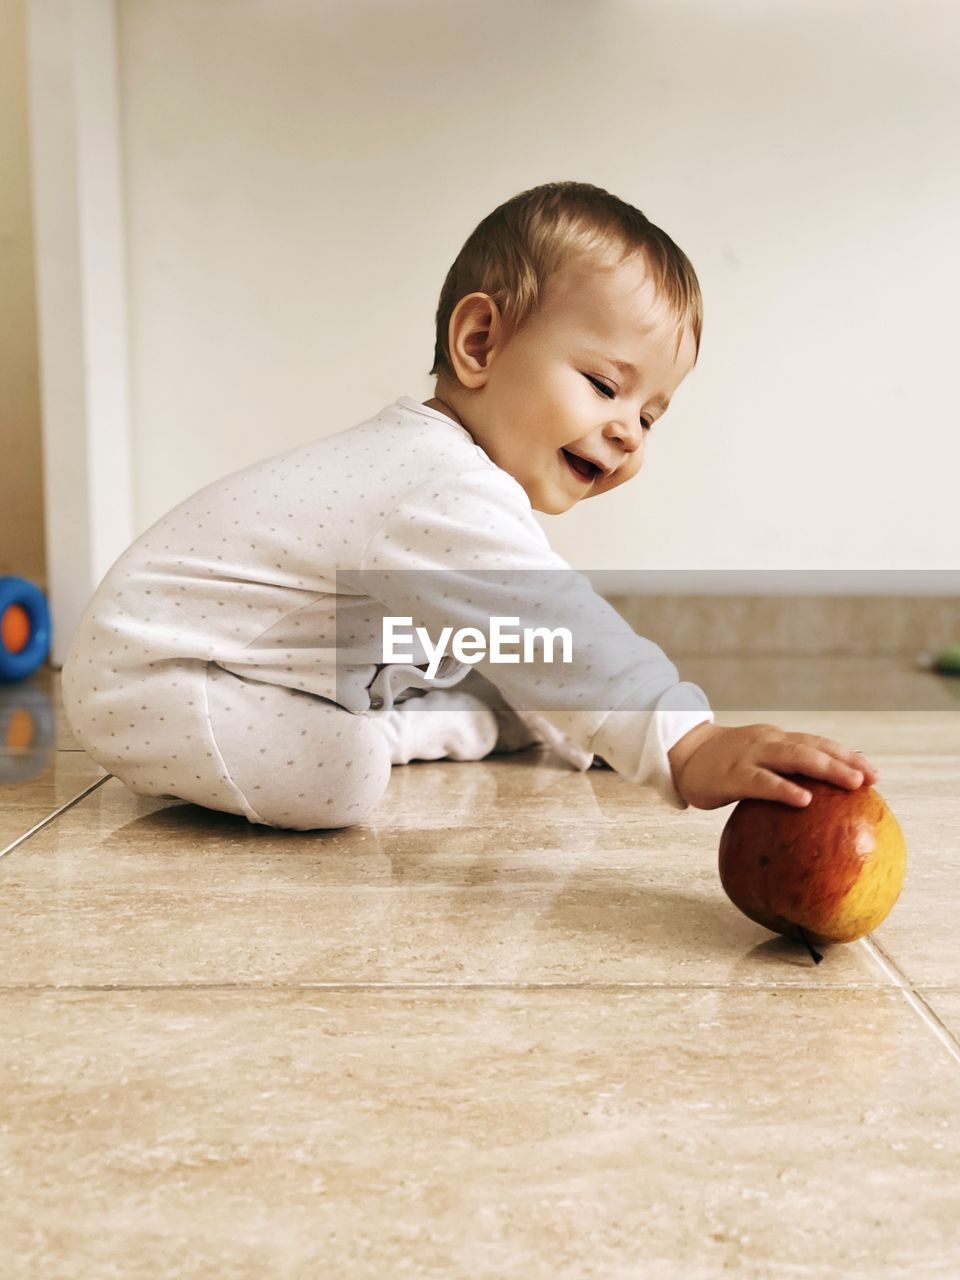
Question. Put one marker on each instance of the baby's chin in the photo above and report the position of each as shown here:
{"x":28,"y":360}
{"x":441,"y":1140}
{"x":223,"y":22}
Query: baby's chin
{"x":546,"y":495}
{"x":552,"y":504}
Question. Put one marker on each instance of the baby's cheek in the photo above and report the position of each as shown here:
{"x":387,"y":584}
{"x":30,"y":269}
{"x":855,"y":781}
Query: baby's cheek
{"x":630,"y":469}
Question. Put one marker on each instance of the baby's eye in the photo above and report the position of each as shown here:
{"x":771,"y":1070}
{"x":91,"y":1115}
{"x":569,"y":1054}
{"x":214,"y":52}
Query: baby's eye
{"x":611,"y":394}
{"x":601,"y":386}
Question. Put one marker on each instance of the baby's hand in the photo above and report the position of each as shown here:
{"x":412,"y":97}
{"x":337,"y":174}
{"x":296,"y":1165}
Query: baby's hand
{"x":713,"y":765}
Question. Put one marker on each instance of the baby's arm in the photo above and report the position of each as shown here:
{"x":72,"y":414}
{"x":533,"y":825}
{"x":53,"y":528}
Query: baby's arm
{"x":476,"y":552}
{"x":713,"y":765}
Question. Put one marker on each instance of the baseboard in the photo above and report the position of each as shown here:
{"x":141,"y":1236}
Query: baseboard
{"x":721,"y":624}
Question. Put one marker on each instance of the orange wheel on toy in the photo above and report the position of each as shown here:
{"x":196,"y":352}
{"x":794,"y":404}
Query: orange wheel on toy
{"x":14,"y":628}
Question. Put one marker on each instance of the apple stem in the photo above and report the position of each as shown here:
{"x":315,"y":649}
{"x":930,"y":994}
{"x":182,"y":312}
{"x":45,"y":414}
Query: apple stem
{"x":817,"y":957}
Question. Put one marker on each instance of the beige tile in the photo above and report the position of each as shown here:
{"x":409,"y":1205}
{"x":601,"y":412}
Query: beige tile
{"x":551,"y":1133}
{"x":920,"y":934}
{"x":684,"y":1095}
{"x":177,"y":894}
{"x":547,"y":874}
{"x":34,"y":784}
{"x":944,"y":1002}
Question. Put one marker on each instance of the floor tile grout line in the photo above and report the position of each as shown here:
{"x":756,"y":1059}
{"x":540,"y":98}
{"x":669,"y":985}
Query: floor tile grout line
{"x":9,"y":988}
{"x":53,"y":816}
{"x":921,"y":1008}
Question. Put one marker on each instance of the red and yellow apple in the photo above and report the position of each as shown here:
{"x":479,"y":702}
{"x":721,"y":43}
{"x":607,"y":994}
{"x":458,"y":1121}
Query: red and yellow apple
{"x":829,"y":872}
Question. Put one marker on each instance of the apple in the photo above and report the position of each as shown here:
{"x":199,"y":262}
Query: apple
{"x":829,"y":872}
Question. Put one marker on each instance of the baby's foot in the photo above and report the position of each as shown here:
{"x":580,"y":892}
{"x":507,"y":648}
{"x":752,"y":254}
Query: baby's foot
{"x":445,"y":724}
{"x":513,"y":732}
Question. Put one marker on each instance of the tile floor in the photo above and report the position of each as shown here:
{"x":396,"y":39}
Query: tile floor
{"x":510,"y":1028}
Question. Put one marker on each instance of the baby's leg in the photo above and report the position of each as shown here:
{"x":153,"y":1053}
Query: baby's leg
{"x":276,"y":756}
{"x":296,"y":761}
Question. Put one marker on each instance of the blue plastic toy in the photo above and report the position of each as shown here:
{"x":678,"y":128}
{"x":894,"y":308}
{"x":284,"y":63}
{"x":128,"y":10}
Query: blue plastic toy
{"x":24,"y":629}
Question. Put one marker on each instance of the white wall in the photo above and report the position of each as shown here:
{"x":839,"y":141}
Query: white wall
{"x":300,"y":174}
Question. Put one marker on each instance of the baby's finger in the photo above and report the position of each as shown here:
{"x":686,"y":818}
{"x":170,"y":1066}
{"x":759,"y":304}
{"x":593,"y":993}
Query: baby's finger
{"x":766,"y":785}
{"x":860,"y":761}
{"x":797,"y":757}
{"x":855,"y":759}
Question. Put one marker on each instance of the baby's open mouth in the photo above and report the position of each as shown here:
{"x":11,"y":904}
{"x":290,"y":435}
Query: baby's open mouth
{"x":580,"y":467}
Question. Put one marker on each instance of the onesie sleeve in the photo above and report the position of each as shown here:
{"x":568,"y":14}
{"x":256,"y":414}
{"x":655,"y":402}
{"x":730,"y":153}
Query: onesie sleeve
{"x":455,"y":553}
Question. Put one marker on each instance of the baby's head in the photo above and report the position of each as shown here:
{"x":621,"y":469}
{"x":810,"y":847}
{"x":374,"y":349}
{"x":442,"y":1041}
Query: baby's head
{"x":552,"y":299}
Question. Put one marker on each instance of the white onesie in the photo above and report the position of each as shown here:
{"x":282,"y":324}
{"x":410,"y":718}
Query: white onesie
{"x":282,"y":572}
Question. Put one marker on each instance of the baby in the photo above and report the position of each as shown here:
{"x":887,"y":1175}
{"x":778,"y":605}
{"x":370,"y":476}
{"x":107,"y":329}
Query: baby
{"x":234,"y":655}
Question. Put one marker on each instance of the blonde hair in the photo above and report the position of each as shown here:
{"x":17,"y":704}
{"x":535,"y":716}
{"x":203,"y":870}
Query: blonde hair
{"x":516,"y":249}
